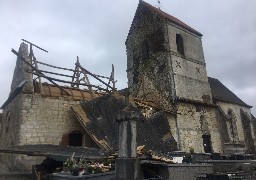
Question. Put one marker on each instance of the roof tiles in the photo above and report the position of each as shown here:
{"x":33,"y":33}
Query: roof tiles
{"x":171,"y":18}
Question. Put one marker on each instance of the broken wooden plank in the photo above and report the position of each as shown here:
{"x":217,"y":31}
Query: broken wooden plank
{"x":87,"y":72}
{"x":83,"y":120}
{"x":38,"y":71}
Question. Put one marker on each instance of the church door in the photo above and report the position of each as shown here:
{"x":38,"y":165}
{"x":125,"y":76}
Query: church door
{"x":75,"y":139}
{"x":207,"y":143}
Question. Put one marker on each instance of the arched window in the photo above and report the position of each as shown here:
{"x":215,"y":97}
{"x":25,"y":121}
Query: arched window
{"x":75,"y":138}
{"x":179,"y":43}
{"x":248,"y":134}
{"x":232,"y":125}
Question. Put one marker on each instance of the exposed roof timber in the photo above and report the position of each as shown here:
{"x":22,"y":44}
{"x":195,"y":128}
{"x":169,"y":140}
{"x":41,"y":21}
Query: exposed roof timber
{"x":36,"y":70}
{"x":50,"y":90}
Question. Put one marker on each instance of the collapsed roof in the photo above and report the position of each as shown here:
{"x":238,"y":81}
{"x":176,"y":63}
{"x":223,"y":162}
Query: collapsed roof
{"x":57,"y":152}
{"x":98,"y":117}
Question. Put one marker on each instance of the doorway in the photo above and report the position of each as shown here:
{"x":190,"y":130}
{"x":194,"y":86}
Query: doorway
{"x":75,"y":139}
{"x":207,"y":143}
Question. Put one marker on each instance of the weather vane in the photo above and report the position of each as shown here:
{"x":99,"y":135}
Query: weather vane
{"x":159,"y":4}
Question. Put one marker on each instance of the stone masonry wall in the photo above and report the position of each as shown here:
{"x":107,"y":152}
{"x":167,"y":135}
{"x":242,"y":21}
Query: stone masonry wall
{"x":11,"y":122}
{"x":1,"y":119}
{"x":33,"y":119}
{"x":148,"y":58}
{"x":157,"y":72}
{"x":193,"y":49}
{"x":191,"y":81}
{"x":46,"y":120}
{"x":10,"y":132}
{"x":20,"y":73}
{"x":191,"y":127}
{"x":245,"y":130}
{"x":236,"y":109}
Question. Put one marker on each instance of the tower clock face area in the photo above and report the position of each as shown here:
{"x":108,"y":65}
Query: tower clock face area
{"x":188,"y":64}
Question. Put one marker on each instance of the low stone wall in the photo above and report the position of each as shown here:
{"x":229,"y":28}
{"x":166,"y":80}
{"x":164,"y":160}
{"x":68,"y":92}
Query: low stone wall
{"x":232,"y":166}
{"x":99,"y":176}
{"x":185,"y":171}
{"x":15,"y":175}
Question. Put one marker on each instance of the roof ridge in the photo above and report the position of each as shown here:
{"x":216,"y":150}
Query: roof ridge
{"x":170,"y":18}
{"x":223,"y":93}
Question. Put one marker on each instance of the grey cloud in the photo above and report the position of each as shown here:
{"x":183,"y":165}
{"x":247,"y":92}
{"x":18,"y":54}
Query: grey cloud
{"x":96,"y":30}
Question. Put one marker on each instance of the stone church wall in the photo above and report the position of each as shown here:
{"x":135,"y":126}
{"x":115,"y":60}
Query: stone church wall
{"x":195,"y":121}
{"x":20,"y":73}
{"x":45,"y":120}
{"x":193,"y":49}
{"x":1,"y":119}
{"x":242,"y":123}
{"x":156,"y":71}
{"x":33,"y":119}
{"x":189,"y":70}
{"x":11,"y":122}
{"x":236,"y":109}
{"x":148,"y":58}
{"x":10,"y":134}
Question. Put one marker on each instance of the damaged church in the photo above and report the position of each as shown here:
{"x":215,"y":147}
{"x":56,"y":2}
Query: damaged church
{"x":181,"y":108}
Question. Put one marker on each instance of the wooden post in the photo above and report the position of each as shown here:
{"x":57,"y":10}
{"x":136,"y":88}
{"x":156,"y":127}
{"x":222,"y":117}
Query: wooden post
{"x":33,"y":60}
{"x":86,"y":79}
{"x":113,"y":78}
{"x":77,"y":71}
{"x":39,"y":77}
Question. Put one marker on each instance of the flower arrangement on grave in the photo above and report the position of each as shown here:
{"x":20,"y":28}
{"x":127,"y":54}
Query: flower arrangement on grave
{"x":83,"y":166}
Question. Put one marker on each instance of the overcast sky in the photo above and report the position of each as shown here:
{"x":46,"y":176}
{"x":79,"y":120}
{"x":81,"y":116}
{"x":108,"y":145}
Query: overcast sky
{"x":96,"y":30}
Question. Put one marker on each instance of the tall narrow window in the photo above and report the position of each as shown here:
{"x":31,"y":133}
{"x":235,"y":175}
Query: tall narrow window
{"x":232,"y":125}
{"x":179,"y":43}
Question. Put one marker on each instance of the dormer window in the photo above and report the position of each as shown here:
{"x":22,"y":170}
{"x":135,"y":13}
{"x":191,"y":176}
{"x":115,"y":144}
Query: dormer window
{"x":179,"y":43}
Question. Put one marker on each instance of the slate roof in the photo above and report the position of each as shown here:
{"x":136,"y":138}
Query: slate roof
{"x":253,"y":118}
{"x":56,"y":152}
{"x":222,"y":93}
{"x":100,"y":122}
{"x":13,"y":94}
{"x":171,"y":18}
